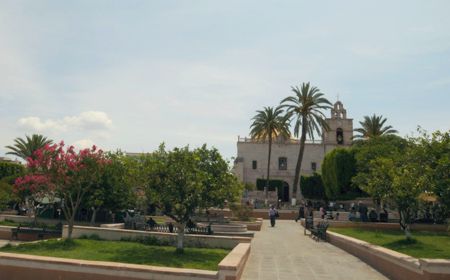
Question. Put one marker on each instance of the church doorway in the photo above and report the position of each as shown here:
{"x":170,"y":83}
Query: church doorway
{"x":280,"y":186}
{"x":285,"y":192}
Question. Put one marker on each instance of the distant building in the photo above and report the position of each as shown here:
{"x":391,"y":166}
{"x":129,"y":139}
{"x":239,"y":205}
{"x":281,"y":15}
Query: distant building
{"x":251,"y":161}
{"x":5,"y":159}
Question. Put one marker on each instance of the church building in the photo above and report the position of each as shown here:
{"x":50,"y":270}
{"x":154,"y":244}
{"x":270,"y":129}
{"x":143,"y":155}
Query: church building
{"x":251,"y":162}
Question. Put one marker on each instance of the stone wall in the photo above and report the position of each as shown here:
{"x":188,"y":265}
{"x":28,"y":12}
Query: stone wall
{"x":19,"y":267}
{"x":5,"y":232}
{"x":194,"y":240}
{"x":381,"y":226}
{"x":393,"y":264}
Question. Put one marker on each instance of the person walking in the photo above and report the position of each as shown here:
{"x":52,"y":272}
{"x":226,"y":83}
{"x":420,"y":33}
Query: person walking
{"x":322,"y":212}
{"x":273,"y":214}
{"x":301,"y":212}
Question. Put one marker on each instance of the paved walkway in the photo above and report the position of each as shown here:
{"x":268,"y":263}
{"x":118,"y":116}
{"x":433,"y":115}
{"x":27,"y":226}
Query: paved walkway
{"x":284,"y":253}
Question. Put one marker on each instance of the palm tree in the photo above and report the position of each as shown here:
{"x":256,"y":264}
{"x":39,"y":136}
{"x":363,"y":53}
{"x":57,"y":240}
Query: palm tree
{"x":25,"y":148}
{"x":374,"y":126}
{"x":267,"y":125}
{"x":306,"y":107}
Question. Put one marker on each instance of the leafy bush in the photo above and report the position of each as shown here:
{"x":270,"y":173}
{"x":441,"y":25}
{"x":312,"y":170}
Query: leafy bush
{"x":338,"y":168}
{"x":312,"y":187}
{"x":249,"y":186}
{"x":242,"y":212}
{"x":274,"y":185}
{"x":147,"y":240}
{"x":10,"y":168}
{"x":90,"y":237}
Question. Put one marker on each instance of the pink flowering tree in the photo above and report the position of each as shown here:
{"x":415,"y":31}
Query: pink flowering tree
{"x":35,"y":189}
{"x":56,"y":171}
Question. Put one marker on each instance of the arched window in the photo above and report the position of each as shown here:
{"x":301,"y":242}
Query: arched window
{"x":340,"y":136}
{"x":282,"y":163}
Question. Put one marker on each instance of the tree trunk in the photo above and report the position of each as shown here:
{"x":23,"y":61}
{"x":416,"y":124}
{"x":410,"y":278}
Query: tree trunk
{"x":404,"y":224}
{"x":378,"y":208}
{"x":94,"y":215}
{"x":35,"y":218}
{"x":70,"y":227}
{"x":266,"y":188}
{"x":298,"y":167}
{"x":180,"y":238}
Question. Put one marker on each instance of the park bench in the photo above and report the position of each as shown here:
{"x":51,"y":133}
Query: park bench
{"x":309,"y":224}
{"x":320,"y":231}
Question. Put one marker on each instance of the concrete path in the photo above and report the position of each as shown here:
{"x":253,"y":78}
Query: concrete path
{"x":284,"y":253}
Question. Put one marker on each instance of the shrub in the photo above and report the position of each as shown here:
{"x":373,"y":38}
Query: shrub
{"x":242,"y":212}
{"x":338,"y":168}
{"x":10,"y":168}
{"x":312,"y":187}
{"x":90,"y":237}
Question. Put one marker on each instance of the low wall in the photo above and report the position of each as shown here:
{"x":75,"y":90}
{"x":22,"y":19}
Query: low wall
{"x":393,"y":264}
{"x":389,"y":226}
{"x":232,"y":266}
{"x":5,"y":232}
{"x":119,"y":225}
{"x":253,"y":226}
{"x":191,"y":240}
{"x":19,"y":267}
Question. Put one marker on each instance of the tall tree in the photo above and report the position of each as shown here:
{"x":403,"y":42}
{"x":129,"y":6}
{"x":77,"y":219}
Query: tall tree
{"x":63,"y":173}
{"x":306,"y":106}
{"x":181,"y":181}
{"x":267,"y":125}
{"x":338,"y":168}
{"x":112,"y":192}
{"x":374,"y":126}
{"x":25,"y":148}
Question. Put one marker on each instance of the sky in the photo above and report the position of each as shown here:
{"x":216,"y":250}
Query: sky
{"x":130,"y":75}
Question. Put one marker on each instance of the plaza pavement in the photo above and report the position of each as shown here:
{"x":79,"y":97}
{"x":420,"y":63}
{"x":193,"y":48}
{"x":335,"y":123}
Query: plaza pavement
{"x":284,"y":253}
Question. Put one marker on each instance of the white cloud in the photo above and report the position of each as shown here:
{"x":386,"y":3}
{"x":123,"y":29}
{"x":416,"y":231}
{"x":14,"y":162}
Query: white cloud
{"x":83,"y":143}
{"x":86,"y":121}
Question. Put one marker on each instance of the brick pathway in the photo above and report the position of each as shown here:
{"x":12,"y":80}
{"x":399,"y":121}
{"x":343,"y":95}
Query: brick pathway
{"x":284,"y":253}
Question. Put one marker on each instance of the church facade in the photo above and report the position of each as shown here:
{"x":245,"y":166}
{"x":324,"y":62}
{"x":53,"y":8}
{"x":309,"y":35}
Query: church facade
{"x":251,"y":160}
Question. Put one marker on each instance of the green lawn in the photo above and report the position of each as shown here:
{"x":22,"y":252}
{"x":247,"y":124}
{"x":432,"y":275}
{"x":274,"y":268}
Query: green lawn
{"x":424,"y":244}
{"x":9,"y":223}
{"x":123,"y":251}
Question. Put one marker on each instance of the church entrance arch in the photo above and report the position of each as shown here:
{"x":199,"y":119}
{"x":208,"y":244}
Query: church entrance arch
{"x":280,"y":186}
{"x":285,"y":192}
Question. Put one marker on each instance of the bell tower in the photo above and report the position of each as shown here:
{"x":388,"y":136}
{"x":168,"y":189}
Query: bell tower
{"x":340,"y":131}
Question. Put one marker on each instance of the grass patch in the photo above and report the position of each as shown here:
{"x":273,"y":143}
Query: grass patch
{"x":123,"y":251}
{"x":159,"y":219}
{"x":423,"y":245}
{"x":9,"y":223}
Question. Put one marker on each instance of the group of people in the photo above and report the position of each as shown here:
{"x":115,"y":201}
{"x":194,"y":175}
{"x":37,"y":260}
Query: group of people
{"x":306,"y":210}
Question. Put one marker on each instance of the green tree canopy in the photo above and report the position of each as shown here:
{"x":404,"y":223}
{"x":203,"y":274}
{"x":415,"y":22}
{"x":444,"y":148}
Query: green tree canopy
{"x":113,"y":191}
{"x":433,"y":154}
{"x":8,"y":169}
{"x":312,"y":187}
{"x":25,"y":148}
{"x":373,"y":126}
{"x":338,"y":168}
{"x":183,"y":180}
{"x":388,"y":146}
